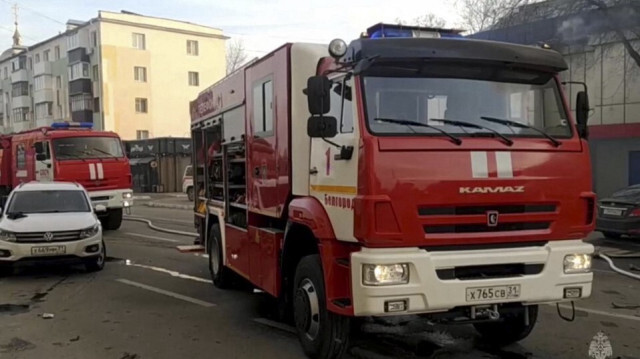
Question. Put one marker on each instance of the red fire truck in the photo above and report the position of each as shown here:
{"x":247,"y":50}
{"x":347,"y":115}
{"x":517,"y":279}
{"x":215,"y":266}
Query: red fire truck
{"x":71,"y":152}
{"x":412,"y":171}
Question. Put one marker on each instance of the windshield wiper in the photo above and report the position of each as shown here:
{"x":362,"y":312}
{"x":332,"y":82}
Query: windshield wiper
{"x":68,"y":154}
{"x":453,"y":138}
{"x":521,"y":125}
{"x":104,"y":152}
{"x":504,"y":138}
{"x":15,"y":215}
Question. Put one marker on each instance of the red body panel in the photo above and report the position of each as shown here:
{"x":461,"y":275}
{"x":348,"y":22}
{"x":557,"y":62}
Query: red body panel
{"x":238,"y":250}
{"x":264,"y":253}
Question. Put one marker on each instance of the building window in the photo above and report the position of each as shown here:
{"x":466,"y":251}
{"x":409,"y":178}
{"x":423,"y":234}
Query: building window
{"x":19,"y":64}
{"x":37,"y":58}
{"x":140,"y":74}
{"x":139,"y":41}
{"x":96,"y":104}
{"x":96,"y":73}
{"x":192,"y":47}
{"x":56,"y":52}
{"x":30,"y":64}
{"x":40,"y":82}
{"x":73,"y":41}
{"x":263,"y":107}
{"x":142,"y":134}
{"x":6,"y":73}
{"x":141,"y":105}
{"x":1,"y":119}
{"x":20,"y":89}
{"x":82,"y":102}
{"x":94,"y":39}
{"x":194,"y":79}
{"x":78,"y":70}
{"x":44,"y":110}
{"x":20,"y":114}
{"x":45,"y":55}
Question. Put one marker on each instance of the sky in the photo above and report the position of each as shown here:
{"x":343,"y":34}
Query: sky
{"x":262,"y":25}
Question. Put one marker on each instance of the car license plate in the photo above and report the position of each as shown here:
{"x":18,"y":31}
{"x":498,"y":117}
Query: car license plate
{"x":48,"y":250}
{"x":492,"y":293}
{"x":612,"y":211}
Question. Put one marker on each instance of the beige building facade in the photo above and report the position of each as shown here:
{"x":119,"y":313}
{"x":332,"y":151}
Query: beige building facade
{"x":124,"y":72}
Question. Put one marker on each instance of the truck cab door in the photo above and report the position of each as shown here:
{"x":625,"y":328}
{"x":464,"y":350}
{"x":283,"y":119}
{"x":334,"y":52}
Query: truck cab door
{"x":333,"y":177}
{"x":43,"y":162}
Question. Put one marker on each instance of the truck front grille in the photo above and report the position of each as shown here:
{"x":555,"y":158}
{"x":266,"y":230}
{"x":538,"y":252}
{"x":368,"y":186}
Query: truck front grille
{"x":489,"y":271}
{"x":39,"y":237}
{"x":480,"y":210}
{"x":478,"y":228}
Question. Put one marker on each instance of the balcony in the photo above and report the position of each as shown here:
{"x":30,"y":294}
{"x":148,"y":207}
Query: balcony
{"x":44,"y":95}
{"x":42,"y":68}
{"x":82,"y":116}
{"x":19,"y":76}
{"x":21,"y":101}
{"x":80,"y":86}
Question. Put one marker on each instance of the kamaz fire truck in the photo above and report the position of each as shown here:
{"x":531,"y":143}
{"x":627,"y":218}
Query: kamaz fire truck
{"x":75,"y":153}
{"x":412,"y":171}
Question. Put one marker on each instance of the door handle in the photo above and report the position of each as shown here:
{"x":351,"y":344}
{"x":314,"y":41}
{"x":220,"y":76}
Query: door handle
{"x":313,"y":171}
{"x":256,"y":171}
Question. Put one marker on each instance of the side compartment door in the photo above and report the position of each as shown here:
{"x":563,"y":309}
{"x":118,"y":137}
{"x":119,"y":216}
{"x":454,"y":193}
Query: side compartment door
{"x":334,"y":177}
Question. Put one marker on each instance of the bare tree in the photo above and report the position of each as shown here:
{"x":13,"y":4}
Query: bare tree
{"x":236,"y":55}
{"x":480,"y":15}
{"x":427,"y":20}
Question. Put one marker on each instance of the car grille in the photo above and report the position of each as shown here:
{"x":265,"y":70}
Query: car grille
{"x":39,"y":237}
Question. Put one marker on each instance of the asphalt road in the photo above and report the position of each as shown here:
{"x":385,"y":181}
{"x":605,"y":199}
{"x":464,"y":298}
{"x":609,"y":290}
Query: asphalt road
{"x":152,"y":301}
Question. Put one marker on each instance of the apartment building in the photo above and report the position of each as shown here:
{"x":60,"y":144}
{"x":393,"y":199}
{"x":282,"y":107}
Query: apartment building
{"x":123,"y":72}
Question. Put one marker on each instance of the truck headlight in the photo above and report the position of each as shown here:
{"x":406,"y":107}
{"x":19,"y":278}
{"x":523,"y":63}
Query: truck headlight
{"x":385,"y":274}
{"x":7,"y":236}
{"x":577,"y":263}
{"x":91,"y":231}
{"x":127,"y":195}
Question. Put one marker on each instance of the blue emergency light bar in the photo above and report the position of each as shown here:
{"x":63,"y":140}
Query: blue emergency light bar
{"x":380,"y":31}
{"x":66,"y":125}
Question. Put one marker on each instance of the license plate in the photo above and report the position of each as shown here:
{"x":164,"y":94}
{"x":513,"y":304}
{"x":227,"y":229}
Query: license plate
{"x":48,"y":250}
{"x":612,"y":211}
{"x":492,"y":293}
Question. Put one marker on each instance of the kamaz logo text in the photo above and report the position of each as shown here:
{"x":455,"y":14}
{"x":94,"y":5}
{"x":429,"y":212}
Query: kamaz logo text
{"x":499,"y":189}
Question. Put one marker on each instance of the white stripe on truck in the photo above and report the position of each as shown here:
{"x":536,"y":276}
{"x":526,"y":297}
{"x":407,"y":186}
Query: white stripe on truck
{"x":100,"y":171}
{"x":92,"y":171}
{"x":479,"y":166}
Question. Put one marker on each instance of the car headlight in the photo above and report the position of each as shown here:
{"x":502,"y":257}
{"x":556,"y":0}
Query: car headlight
{"x":127,"y":195}
{"x":385,"y":274}
{"x":7,"y":236}
{"x":577,"y":263}
{"x":91,"y":231}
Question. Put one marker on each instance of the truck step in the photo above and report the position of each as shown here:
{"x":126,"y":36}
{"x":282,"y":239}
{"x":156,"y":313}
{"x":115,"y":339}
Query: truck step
{"x":190,"y":248}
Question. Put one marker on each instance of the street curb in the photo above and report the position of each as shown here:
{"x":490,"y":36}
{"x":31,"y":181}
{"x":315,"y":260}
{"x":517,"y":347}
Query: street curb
{"x":168,"y":205}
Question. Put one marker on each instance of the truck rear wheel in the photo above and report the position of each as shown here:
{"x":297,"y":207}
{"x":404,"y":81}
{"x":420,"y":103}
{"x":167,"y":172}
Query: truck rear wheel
{"x":510,"y":329}
{"x":221,"y":276}
{"x":113,"y":220}
{"x":322,"y":334}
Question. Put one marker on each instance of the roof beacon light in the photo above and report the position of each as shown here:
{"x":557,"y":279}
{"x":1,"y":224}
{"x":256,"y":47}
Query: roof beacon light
{"x":337,"y":48}
{"x":395,"y":30}
{"x":67,"y":125}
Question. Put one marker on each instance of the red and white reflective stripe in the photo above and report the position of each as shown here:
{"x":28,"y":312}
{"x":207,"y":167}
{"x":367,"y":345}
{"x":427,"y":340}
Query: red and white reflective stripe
{"x":100,"y":171}
{"x":96,"y":171}
{"x":92,"y":171}
{"x":496,"y":164}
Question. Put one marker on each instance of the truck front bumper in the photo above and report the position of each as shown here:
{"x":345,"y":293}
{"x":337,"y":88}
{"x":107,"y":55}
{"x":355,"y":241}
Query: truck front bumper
{"x":435,"y":287}
{"x":117,"y":198}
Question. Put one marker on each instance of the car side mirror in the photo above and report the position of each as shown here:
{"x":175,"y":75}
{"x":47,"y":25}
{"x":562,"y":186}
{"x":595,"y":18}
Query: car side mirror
{"x":41,"y":157}
{"x":582,"y":114}
{"x":317,"y":91}
{"x":322,"y":127}
{"x":100,"y":208}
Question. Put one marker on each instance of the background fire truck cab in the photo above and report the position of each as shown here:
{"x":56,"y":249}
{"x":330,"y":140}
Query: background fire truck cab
{"x":410,"y":172}
{"x":73,"y":153}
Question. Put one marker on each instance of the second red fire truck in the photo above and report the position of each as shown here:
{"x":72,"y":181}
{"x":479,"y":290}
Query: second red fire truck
{"x":410,"y":172}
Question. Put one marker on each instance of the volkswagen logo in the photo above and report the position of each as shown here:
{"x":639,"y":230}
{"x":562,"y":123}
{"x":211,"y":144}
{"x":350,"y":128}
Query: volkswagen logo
{"x":48,"y":236}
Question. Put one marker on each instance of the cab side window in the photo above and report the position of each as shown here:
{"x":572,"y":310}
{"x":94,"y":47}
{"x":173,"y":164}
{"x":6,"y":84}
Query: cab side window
{"x":45,"y":149}
{"x":342,"y":104}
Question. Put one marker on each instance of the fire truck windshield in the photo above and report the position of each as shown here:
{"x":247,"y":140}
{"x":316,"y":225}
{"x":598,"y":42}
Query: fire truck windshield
{"x":517,"y":98}
{"x":74,"y":148}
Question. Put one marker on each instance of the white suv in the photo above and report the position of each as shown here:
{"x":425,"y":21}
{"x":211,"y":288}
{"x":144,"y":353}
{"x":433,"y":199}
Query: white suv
{"x":50,"y":221}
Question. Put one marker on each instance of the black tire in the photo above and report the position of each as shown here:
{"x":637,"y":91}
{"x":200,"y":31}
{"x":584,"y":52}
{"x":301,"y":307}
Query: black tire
{"x":96,"y":264}
{"x":323,"y":334}
{"x":6,"y":270}
{"x":190,"y":194}
{"x":612,"y":235}
{"x":113,"y":221}
{"x":221,"y":276}
{"x":510,"y":329}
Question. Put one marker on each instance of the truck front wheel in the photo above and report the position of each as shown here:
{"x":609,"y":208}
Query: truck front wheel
{"x":322,"y":334}
{"x":113,"y":220}
{"x":221,"y":276}
{"x":510,"y":329}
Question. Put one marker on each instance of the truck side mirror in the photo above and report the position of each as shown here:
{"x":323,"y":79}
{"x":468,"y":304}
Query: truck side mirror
{"x":322,"y":127}
{"x":41,"y":157}
{"x":582,"y":114}
{"x":38,"y":147}
{"x":317,"y":92}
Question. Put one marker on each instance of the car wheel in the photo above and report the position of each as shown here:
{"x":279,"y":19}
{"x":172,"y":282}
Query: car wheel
{"x":221,"y":276}
{"x":6,"y":270}
{"x":510,"y":329}
{"x":96,"y":263}
{"x":322,"y":334}
{"x":190,"y":194}
{"x":611,"y":235}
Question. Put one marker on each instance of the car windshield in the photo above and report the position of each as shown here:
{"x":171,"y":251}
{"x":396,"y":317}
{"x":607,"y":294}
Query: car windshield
{"x":48,"y":202}
{"x":73,"y":148}
{"x":464,"y":94}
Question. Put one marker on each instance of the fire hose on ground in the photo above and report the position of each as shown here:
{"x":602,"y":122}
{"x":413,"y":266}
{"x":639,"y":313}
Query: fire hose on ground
{"x":160,"y":229}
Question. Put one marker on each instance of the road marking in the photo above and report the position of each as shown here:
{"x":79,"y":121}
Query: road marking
{"x":276,"y":325}
{"x":166,"y":292}
{"x":600,"y":312}
{"x":151,"y":237}
{"x":203,"y":255}
{"x":171,"y":273}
